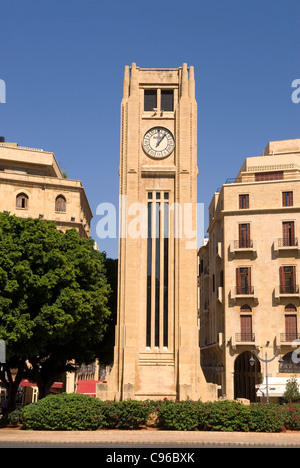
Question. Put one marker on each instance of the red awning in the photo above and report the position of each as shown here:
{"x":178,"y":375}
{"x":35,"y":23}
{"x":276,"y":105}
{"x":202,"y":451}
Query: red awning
{"x":87,"y":387}
{"x":26,"y":383}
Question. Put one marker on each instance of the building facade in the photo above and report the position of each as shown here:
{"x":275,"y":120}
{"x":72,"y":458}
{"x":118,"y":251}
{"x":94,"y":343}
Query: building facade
{"x":33,"y":185}
{"x":156,"y":348}
{"x":249,"y":275}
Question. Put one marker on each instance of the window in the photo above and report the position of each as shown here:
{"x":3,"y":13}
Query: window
{"x":287,"y":198}
{"x":243,"y":281}
{"x":244,"y":235}
{"x":246,"y":308}
{"x":291,"y":328}
{"x":261,"y":176}
{"x":60,"y":204}
{"x":288,"y":233}
{"x":290,"y":308}
{"x":167,"y":101}
{"x":244,"y":201}
{"x":246,"y":328}
{"x":22,"y":201}
{"x":150,"y":99}
{"x":287,"y":277}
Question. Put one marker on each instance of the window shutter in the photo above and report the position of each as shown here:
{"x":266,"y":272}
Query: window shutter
{"x":291,"y":327}
{"x":281,"y":279}
{"x":249,"y":279}
{"x":246,"y":327}
{"x":238,"y":280}
{"x":19,"y":202}
{"x":294,"y":278}
{"x":292,"y":227}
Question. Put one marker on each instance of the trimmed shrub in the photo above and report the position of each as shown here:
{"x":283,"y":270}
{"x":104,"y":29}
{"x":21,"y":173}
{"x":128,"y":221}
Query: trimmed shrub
{"x":227,"y":416}
{"x":266,"y":418}
{"x":178,"y":416}
{"x":291,"y":415}
{"x":64,"y":412}
{"x":128,"y":414}
{"x":15,"y":417}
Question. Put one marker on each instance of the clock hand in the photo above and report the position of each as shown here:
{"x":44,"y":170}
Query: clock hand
{"x":161,"y":138}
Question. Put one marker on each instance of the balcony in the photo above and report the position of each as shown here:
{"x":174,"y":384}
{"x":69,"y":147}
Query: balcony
{"x":288,"y":338}
{"x":243,"y":247}
{"x":288,"y":291}
{"x":243,"y":292}
{"x":243,"y":339}
{"x":286,"y":245}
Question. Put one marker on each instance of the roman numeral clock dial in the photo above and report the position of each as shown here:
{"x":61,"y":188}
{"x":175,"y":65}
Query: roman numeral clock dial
{"x":158,"y":142}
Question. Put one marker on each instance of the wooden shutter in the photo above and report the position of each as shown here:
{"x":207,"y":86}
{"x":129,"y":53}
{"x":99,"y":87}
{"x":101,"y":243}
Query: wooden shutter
{"x":275,"y":175}
{"x":244,"y":235}
{"x":294,"y":278}
{"x":291,"y":327}
{"x":243,"y":201}
{"x":60,"y":204}
{"x":287,"y":199}
{"x":281,"y":279}
{"x":288,"y":233}
{"x":238,"y":281}
{"x":246,"y":327}
{"x":19,"y":201}
{"x":249,"y":280}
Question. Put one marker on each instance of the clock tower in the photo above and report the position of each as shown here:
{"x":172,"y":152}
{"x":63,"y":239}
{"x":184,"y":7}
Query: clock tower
{"x":156,"y":352}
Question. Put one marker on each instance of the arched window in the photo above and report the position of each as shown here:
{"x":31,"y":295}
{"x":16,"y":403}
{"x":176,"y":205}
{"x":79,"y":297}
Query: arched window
{"x":246,"y":308}
{"x":60,"y":204}
{"x":290,"y":308}
{"x":22,"y":201}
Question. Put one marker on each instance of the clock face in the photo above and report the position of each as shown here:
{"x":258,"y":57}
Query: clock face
{"x":158,"y":142}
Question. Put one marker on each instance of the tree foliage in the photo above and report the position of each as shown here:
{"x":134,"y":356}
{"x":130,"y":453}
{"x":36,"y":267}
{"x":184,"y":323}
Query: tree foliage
{"x":291,"y":392}
{"x":53,"y":295}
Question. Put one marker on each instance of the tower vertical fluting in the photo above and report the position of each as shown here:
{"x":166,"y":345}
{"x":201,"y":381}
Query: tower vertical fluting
{"x":156,"y":350}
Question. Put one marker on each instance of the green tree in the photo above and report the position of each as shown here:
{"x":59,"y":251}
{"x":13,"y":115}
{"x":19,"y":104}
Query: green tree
{"x":106,"y":353}
{"x":53,"y":301}
{"x":291,"y":390}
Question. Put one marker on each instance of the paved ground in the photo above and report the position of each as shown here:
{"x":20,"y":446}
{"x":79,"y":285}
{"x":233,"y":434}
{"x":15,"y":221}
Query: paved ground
{"x":154,"y":439}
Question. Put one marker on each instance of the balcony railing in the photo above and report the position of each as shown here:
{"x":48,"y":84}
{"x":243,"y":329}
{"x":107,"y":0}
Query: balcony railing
{"x":243,"y":244}
{"x":244,"y":290}
{"x":288,"y":289}
{"x":289,"y":337}
{"x":288,"y":242}
{"x":245,"y":337}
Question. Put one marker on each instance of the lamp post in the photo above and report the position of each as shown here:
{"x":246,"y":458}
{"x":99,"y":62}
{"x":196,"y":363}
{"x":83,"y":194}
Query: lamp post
{"x":265,"y":361}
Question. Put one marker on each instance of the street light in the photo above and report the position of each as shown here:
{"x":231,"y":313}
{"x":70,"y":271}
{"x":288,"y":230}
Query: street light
{"x":266,"y":361}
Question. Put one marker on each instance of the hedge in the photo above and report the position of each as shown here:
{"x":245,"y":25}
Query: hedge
{"x":77,"y":412}
{"x":72,"y":412}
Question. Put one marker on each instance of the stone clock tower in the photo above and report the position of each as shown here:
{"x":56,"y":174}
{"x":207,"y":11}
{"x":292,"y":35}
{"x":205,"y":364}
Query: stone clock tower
{"x":156,"y":346}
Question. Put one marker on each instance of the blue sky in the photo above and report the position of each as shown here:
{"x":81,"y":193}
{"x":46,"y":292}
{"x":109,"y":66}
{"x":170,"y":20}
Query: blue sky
{"x":63,"y":63}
